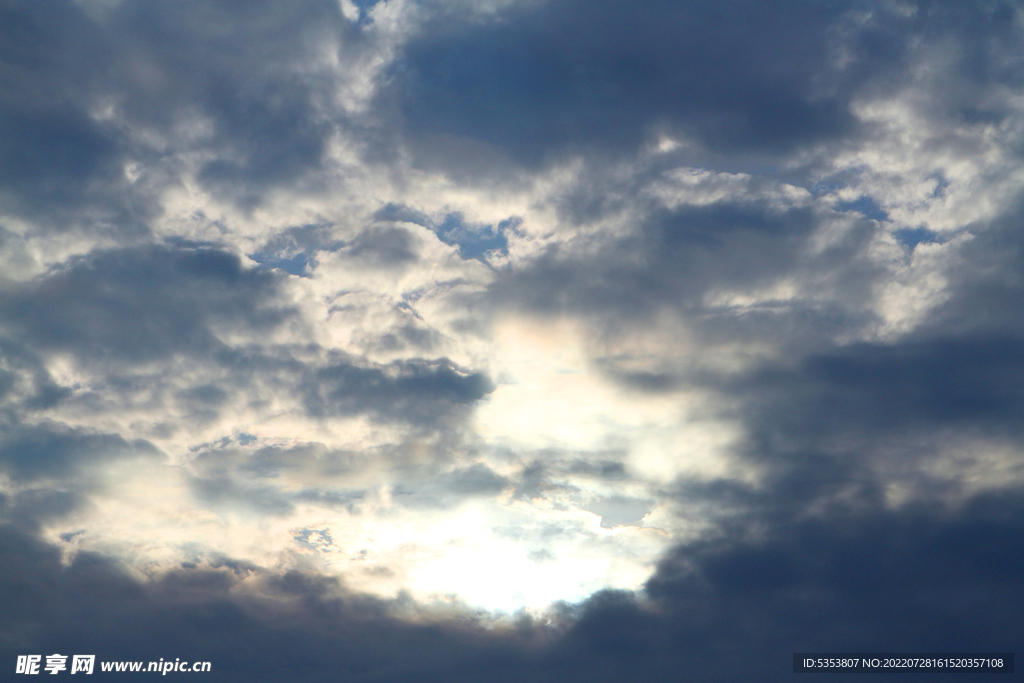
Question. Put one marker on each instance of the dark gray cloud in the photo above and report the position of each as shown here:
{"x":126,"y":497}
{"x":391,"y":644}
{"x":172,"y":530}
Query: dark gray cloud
{"x":984,"y":281}
{"x":271,"y":462}
{"x":923,"y":579}
{"x":221,"y":492}
{"x":409,"y":390}
{"x":883,"y":508}
{"x":92,"y":88}
{"x":29,"y":454}
{"x":678,"y":259}
{"x":25,"y":384}
{"x":828,"y":418}
{"x":867,"y":393}
{"x":916,"y":580}
{"x":141,"y":304}
{"x":746,"y":84}
{"x":57,"y":469}
{"x":55,"y":158}
{"x":450,"y":488}
{"x":384,"y":246}
{"x":542,"y":79}
{"x":250,"y":72}
{"x":133,"y":315}
{"x":315,"y":630}
{"x":271,"y":480}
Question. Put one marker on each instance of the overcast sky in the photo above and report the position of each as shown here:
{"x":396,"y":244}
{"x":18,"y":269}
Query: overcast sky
{"x":510,"y":340}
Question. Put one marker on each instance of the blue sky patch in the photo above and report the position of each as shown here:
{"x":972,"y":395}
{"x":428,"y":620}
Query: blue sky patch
{"x":911,"y":237}
{"x":866,"y":205}
{"x":474,"y":240}
{"x":293,"y":265}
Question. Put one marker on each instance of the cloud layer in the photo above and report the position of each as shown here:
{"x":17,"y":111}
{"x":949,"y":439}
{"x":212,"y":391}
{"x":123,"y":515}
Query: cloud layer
{"x":509,"y":339}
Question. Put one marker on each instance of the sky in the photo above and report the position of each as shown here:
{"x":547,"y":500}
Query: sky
{"x":510,"y":340}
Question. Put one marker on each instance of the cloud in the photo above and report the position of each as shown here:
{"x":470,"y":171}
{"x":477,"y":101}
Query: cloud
{"x":537,"y":81}
{"x":139,"y":304}
{"x":509,"y":339}
{"x":407,"y":390}
{"x":109,"y":105}
{"x":876,"y":390}
{"x":53,"y":470}
{"x":51,"y":452}
{"x":916,"y":580}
